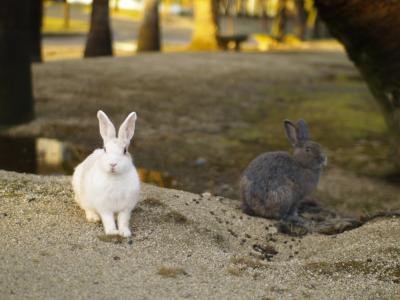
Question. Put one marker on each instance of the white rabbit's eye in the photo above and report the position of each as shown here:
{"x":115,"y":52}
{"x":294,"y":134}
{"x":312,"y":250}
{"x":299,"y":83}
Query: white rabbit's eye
{"x":124,"y":150}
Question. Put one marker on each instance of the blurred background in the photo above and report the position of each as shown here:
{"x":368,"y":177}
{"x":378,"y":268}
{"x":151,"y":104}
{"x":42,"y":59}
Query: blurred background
{"x":249,"y":25}
{"x":211,"y":81}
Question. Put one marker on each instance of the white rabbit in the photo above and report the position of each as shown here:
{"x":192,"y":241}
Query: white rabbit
{"x":106,"y":183}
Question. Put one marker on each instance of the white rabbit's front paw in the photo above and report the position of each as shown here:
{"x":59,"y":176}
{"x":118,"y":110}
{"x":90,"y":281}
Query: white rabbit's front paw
{"x":125,"y":232}
{"x":92,"y":216}
{"x":111,"y":231}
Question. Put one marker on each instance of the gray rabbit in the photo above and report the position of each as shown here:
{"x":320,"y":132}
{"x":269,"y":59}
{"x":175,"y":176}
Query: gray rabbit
{"x":274,"y":183}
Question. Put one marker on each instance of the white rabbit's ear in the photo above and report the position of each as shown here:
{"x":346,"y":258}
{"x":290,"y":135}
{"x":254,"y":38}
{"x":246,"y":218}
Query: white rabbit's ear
{"x":107,"y":129}
{"x":302,"y":133}
{"x":291,"y":132}
{"x":127,"y":128}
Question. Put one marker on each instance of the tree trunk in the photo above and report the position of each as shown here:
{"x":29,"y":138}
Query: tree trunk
{"x":301,"y":20}
{"x":36,"y":30}
{"x":319,"y":29}
{"x":99,"y":41}
{"x":370,"y":32}
{"x":206,"y":27}
{"x":280,"y":21}
{"x":149,"y":32}
{"x":16,"y":101}
{"x":67,"y":14}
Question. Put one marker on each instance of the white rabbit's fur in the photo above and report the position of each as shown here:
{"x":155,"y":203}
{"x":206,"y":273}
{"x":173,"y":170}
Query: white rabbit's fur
{"x":106,"y":183}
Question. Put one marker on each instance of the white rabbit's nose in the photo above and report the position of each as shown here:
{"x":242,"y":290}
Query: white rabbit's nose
{"x":113,"y":165}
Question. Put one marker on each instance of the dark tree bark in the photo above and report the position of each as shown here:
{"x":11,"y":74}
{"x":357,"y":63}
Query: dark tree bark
{"x":149,"y":31}
{"x":319,"y":30}
{"x":36,"y":30}
{"x":99,"y":41}
{"x":16,"y":101}
{"x":301,"y":19}
{"x":280,"y":22}
{"x":206,"y":27}
{"x":264,"y":16}
{"x":370,"y":32}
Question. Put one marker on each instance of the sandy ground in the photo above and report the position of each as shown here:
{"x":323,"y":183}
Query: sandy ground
{"x":184,"y":246}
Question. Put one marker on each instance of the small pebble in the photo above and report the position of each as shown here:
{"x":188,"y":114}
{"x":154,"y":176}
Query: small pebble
{"x":30,"y":199}
{"x":273,"y":230}
{"x":200,"y":161}
{"x":206,"y":195}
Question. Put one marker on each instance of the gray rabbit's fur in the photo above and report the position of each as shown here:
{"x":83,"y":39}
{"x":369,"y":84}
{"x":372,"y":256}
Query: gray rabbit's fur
{"x":274,"y":183}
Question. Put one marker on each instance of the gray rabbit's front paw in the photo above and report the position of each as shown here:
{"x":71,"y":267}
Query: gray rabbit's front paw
{"x":295,"y":219}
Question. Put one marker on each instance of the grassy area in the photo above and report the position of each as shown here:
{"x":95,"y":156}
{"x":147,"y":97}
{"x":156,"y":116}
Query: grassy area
{"x":347,"y":122}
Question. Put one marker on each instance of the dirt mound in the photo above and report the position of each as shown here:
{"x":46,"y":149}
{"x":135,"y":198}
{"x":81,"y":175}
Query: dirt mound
{"x":184,"y":246}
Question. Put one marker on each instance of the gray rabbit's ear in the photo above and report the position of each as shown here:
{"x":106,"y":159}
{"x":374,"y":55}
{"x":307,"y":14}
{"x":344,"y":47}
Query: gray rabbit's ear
{"x":107,"y":129}
{"x":302,"y":133}
{"x":291,"y":132}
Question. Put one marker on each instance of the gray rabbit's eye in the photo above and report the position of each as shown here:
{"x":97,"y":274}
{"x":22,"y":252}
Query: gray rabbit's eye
{"x":125,"y":150}
{"x":308,"y":149}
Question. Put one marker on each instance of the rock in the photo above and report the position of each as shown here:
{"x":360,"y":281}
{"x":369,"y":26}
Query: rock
{"x":200,"y":161}
{"x":206,"y":195}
